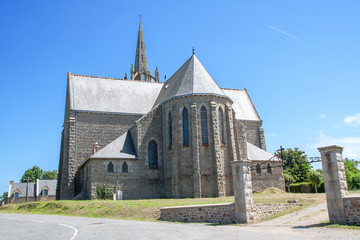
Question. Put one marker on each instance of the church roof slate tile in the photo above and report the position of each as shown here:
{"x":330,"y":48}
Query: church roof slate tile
{"x":120,"y":148}
{"x":112,"y":95}
{"x":109,"y":95}
{"x":257,"y":154}
{"x":190,"y":78}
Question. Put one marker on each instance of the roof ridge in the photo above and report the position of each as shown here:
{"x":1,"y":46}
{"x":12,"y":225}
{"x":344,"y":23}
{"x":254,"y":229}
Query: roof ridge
{"x":79,"y":75}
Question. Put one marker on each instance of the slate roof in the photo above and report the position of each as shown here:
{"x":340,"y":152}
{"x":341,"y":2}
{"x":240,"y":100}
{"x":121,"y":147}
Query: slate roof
{"x":22,"y":188}
{"x":120,"y":148}
{"x":111,"y":95}
{"x":190,"y":78}
{"x":51,"y":184}
{"x":243,"y":107}
{"x":96,"y":94}
{"x":257,"y":154}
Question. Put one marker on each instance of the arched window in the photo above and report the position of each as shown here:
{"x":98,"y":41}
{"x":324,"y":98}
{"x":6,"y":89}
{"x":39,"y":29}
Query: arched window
{"x":204,"y":133}
{"x":17,"y":195}
{"x":124,"y":168}
{"x":258,"y":169}
{"x":110,"y":168}
{"x":221,"y":126}
{"x":170,"y":130}
{"x":46,"y":192}
{"x":269,"y":169}
{"x":186,"y":127}
{"x":152,"y":155}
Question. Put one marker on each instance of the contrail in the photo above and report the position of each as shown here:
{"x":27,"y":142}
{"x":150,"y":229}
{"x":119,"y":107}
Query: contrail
{"x":289,"y":35}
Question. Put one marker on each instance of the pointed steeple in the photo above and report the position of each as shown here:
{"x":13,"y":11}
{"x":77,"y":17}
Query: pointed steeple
{"x":190,"y":79}
{"x":141,"y":65}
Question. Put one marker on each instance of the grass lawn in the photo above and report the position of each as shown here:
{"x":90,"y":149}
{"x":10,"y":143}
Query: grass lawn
{"x":146,"y":210}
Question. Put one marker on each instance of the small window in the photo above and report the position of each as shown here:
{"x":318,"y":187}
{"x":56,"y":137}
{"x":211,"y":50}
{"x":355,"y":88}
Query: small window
{"x":46,"y":192}
{"x":152,"y":155}
{"x":269,"y":169}
{"x":141,"y":45}
{"x":204,"y":133}
{"x":17,"y":195}
{"x":186,"y":139}
{"x":142,"y":57}
{"x":170,"y":130}
{"x":258,"y":169}
{"x":110,"y":168}
{"x":221,"y":126}
{"x":124,"y":168}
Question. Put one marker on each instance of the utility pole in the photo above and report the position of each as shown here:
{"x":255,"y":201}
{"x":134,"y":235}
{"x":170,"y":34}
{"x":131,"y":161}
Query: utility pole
{"x":27,"y":187}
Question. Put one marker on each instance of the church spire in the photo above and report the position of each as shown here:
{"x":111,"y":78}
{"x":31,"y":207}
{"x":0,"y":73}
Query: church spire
{"x":141,"y":65}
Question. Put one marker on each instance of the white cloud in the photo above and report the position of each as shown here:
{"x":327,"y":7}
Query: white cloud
{"x":353,"y":120}
{"x":322,"y":115}
{"x":351,"y":144}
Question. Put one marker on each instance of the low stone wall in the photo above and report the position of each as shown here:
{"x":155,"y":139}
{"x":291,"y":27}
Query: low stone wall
{"x":211,"y":213}
{"x":352,"y":210}
{"x":219,"y":213}
{"x":264,"y":210}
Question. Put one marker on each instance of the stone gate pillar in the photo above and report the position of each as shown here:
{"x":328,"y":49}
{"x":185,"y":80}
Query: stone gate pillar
{"x":243,"y":191}
{"x":335,"y":182}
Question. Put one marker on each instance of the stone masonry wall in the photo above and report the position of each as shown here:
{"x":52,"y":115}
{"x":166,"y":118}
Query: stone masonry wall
{"x":198,"y":170}
{"x":254,"y":133}
{"x":81,"y":132}
{"x":133,"y":184}
{"x":267,"y":179}
{"x":219,"y":213}
{"x":352,"y":210}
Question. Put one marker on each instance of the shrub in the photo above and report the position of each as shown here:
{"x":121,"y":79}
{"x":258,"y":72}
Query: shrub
{"x":104,"y":191}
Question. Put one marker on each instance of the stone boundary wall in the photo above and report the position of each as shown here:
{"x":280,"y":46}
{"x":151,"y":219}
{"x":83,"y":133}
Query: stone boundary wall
{"x":219,"y":213}
{"x":264,"y":210}
{"x":352,"y":210}
{"x":210,"y":213}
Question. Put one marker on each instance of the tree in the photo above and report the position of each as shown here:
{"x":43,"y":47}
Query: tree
{"x":295,"y":163}
{"x":288,"y":180}
{"x":37,"y":173}
{"x":32,"y":174}
{"x":48,"y":175}
{"x":5,"y":194}
{"x":315,"y":178}
{"x":352,"y":173}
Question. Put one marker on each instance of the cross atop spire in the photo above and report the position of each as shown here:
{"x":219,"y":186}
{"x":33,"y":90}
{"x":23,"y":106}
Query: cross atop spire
{"x":140,"y":17}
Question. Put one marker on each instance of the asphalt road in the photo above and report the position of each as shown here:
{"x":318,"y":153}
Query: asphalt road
{"x":17,"y":226}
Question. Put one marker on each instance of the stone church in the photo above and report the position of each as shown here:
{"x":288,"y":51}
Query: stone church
{"x":150,"y":139}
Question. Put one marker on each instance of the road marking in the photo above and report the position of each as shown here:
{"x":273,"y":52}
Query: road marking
{"x":73,"y":228}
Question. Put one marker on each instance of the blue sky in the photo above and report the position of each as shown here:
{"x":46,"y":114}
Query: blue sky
{"x":299,"y":61}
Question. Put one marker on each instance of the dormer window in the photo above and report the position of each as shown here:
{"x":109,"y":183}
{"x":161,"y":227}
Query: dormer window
{"x":17,"y":195}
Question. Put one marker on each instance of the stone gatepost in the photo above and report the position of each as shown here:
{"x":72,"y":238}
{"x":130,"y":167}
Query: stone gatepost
{"x":335,"y":182}
{"x":243,"y":191}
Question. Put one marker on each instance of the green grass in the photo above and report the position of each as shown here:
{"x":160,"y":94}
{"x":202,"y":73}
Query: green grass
{"x":147,"y":209}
